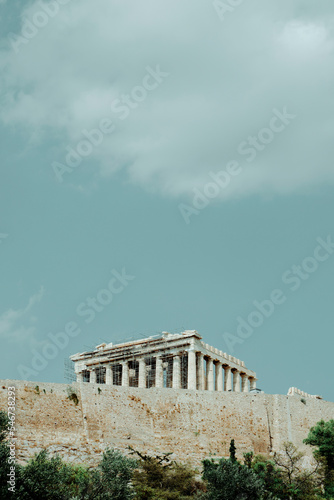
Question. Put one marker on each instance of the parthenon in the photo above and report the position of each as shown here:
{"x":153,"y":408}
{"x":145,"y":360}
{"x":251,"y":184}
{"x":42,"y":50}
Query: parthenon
{"x":178,"y":361}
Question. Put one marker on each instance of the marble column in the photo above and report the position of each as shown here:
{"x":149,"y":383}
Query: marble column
{"x":228,"y":379}
{"x":236,"y":380}
{"x":142,"y":373}
{"x":109,"y":377}
{"x":192,"y":370}
{"x":219,"y":376}
{"x":159,"y":374}
{"x":80,"y":377}
{"x":201,"y":380}
{"x":252,"y":382}
{"x":209,"y":375}
{"x":125,"y":374}
{"x":176,"y":372}
{"x":244,"y":382}
{"x":92,"y":378}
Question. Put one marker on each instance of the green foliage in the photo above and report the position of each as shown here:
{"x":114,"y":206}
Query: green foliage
{"x":37,"y":389}
{"x":72,"y":396}
{"x":160,"y":478}
{"x":270,"y":475}
{"x":4,"y":422}
{"x":113,"y":476}
{"x":248,"y":459}
{"x":322,"y":436}
{"x":299,"y":484}
{"x":44,"y":477}
{"x":52,"y":479}
{"x":4,"y":470}
{"x":229,"y":480}
{"x":80,"y":482}
{"x":232,"y":451}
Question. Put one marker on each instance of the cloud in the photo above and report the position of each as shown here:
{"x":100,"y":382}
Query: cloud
{"x":17,"y":325}
{"x":225,"y":78}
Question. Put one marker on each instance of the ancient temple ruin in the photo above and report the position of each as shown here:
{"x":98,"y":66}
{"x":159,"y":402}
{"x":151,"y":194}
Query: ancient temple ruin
{"x":178,"y":361}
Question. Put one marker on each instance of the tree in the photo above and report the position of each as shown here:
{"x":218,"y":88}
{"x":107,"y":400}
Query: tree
{"x":44,"y":477}
{"x":232,"y":451}
{"x":322,"y":436}
{"x":4,"y":422}
{"x":113,"y":476}
{"x":271,"y":477}
{"x":229,"y":480}
{"x":160,"y":478}
{"x":248,"y":459}
{"x":300,"y":484}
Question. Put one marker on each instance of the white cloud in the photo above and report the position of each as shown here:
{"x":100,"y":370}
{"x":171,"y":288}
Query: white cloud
{"x":225,"y":79}
{"x":17,"y":325}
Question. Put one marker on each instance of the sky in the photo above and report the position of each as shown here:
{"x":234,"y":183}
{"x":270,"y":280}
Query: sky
{"x":168,"y":166}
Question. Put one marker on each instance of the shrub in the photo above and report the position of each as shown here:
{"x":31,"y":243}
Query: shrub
{"x":229,"y":480}
{"x":113,"y":476}
{"x":44,"y":477}
{"x":72,"y":396}
{"x":160,"y":478}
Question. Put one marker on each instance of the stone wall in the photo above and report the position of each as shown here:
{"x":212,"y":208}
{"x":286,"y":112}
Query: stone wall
{"x":191,"y":424}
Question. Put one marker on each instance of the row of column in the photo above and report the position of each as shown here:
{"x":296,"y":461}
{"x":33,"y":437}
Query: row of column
{"x":212,"y":378}
{"x":198,"y":376}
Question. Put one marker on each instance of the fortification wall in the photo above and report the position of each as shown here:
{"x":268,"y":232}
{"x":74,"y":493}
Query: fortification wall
{"x":191,"y":424}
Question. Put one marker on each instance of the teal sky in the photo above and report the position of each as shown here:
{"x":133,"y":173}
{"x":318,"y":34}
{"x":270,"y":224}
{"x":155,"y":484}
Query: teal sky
{"x":224,"y":76}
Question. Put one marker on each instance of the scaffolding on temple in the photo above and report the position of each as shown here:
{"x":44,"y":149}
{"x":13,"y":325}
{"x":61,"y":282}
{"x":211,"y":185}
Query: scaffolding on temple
{"x":69,"y":373}
{"x":167,"y":360}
